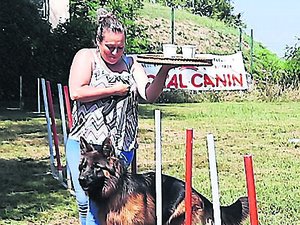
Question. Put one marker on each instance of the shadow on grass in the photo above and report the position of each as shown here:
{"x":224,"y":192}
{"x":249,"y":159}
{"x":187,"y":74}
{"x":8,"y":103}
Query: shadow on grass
{"x":18,"y":115}
{"x":27,"y":189}
{"x":22,"y":124}
{"x":146,"y":111}
{"x":13,"y":130}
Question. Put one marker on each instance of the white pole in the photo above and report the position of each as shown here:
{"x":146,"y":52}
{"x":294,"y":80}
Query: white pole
{"x":214,"y":179}
{"x":294,"y":140}
{"x":21,"y":93}
{"x":158,"y":167}
{"x":48,"y":128}
{"x":38,"y":95}
{"x":62,"y":113}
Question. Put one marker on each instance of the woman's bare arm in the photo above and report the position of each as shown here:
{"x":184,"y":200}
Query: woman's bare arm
{"x":150,"y":91}
{"x":80,"y":77}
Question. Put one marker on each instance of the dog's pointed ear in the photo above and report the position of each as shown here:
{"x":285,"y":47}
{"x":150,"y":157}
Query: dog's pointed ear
{"x":107,"y":147}
{"x":85,"y":146}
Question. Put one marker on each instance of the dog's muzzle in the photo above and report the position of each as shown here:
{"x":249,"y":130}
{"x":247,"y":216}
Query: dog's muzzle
{"x":86,"y":181}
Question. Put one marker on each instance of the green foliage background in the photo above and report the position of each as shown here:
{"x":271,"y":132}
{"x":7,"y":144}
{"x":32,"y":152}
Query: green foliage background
{"x":31,"y":49}
{"x":23,"y":39}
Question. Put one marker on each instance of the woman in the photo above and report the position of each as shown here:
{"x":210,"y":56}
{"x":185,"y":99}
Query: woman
{"x":105,"y":85}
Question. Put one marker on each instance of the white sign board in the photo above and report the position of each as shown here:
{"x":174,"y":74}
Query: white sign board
{"x":226,"y":73}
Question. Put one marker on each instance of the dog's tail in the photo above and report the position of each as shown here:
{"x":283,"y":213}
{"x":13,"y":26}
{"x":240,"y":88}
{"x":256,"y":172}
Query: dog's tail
{"x":233,"y":214}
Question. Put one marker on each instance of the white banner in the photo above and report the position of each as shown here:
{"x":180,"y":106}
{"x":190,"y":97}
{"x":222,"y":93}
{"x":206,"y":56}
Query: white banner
{"x":226,"y":73}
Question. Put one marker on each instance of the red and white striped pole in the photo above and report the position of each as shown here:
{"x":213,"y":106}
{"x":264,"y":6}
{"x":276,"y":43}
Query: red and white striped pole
{"x":251,"y":189}
{"x":64,"y":130}
{"x":68,"y":106}
{"x":54,"y":131}
{"x":188,"y":176}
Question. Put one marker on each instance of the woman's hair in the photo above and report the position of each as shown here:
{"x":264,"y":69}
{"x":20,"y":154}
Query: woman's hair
{"x":107,"y":21}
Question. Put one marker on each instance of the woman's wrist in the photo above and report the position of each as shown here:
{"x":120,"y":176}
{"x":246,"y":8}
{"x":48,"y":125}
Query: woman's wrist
{"x":165,"y":68}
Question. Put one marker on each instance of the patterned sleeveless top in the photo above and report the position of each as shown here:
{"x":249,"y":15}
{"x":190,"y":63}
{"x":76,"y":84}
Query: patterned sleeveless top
{"x":115,"y":116}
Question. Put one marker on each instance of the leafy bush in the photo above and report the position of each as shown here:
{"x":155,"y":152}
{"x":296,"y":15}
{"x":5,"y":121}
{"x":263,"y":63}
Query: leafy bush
{"x":189,"y":96}
{"x":67,"y":39}
{"x":293,"y":65}
{"x":23,"y":35}
{"x":31,"y":49}
{"x":126,"y":11}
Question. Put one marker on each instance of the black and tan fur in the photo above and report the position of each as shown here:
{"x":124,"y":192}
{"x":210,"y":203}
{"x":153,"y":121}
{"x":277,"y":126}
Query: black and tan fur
{"x":129,"y":199}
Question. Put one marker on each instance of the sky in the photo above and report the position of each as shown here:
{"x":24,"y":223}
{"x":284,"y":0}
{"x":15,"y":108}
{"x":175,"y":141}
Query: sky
{"x":275,"y":23}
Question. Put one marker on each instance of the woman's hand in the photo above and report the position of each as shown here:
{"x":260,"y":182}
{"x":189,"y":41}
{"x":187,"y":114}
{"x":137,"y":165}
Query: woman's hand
{"x":121,"y":89}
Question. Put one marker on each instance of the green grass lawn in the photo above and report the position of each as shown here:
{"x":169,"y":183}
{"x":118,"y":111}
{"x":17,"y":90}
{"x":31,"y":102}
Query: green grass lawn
{"x":29,"y":195}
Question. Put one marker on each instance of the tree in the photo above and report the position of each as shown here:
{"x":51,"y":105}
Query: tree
{"x":23,"y":32}
{"x":292,"y":55}
{"x":30,"y":48}
{"x":127,"y":12}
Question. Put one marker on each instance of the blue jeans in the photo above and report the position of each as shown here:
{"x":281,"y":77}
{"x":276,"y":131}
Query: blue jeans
{"x":87,"y":209}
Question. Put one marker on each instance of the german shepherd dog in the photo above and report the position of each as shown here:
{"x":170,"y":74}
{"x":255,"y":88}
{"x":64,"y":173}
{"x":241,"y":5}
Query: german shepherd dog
{"x":124,"y":198}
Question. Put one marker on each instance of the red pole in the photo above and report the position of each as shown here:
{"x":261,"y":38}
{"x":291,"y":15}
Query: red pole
{"x":251,"y":189}
{"x":53,"y":126}
{"x":68,"y":107}
{"x":188,"y":177}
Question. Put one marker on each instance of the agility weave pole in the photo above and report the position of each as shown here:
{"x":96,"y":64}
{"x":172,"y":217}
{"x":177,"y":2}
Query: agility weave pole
{"x":251,"y":189}
{"x":56,"y":171}
{"x":54,"y":132}
{"x":158,"y":171}
{"x":68,"y":107}
{"x":38,"y":95}
{"x":188,"y":176}
{"x":50,"y":141}
{"x":64,"y":129}
{"x":214,"y":178}
{"x":158,"y":166}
